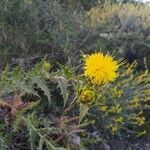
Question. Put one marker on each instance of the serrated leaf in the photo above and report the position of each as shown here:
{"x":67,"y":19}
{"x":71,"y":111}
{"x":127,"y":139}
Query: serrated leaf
{"x":41,"y":83}
{"x":63,"y":85}
{"x":25,"y":87}
{"x":68,"y":72}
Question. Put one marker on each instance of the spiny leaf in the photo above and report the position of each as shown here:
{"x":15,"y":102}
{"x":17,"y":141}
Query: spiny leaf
{"x":68,"y":72}
{"x":41,"y":83}
{"x":22,"y":85}
{"x":63,"y":85}
{"x":32,"y":129}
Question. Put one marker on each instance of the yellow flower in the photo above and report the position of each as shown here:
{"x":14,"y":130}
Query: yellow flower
{"x":103,"y":108}
{"x":114,"y":129}
{"x":147,"y":106}
{"x":100,"y":68}
{"x":134,"y":105}
{"x":139,"y":121}
{"x":119,"y":120}
{"x":47,"y":66}
{"x":86,"y":96}
{"x":115,"y":109}
{"x":141,"y":133}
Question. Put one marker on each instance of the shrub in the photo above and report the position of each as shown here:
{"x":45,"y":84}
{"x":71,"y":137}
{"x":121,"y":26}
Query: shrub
{"x":37,"y":28}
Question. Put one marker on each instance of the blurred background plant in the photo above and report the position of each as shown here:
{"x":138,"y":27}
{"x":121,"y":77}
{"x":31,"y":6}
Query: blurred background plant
{"x":65,"y":28}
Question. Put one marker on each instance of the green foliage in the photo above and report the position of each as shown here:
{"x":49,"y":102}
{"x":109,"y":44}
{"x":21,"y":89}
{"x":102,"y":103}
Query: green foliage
{"x":118,"y":108}
{"x":35,"y":134}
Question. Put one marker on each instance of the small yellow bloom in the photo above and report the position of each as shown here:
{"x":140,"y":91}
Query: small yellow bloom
{"x":103,"y":108}
{"x":86,"y":96}
{"x":142,"y":133}
{"x":139,"y":121}
{"x":115,"y":109}
{"x":133,"y":105}
{"x":119,"y":120}
{"x":47,"y":66}
{"x":147,"y":106}
{"x":100,"y":68}
{"x":114,"y":129}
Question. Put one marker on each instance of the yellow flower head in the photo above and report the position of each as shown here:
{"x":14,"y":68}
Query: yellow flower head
{"x":100,"y":68}
{"x":86,"y":96}
{"x":139,"y":120}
